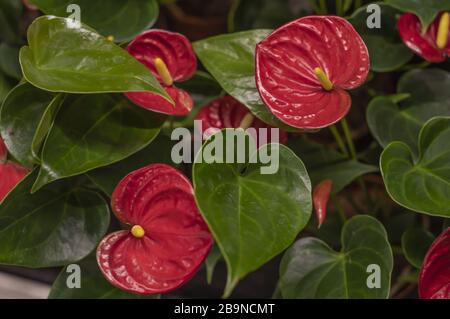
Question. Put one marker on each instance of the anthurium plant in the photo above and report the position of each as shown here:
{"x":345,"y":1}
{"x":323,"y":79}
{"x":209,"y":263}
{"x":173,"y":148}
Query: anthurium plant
{"x":307,"y":145}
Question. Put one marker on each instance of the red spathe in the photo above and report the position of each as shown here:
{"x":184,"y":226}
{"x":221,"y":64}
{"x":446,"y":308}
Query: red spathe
{"x":177,"y":53}
{"x":161,"y":200}
{"x":285,"y":63}
{"x":10,"y":175}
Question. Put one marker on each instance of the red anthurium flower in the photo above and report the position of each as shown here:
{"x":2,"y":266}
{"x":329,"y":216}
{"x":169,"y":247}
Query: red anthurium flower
{"x":321,"y":195}
{"x":10,"y":175}
{"x":171,"y":58}
{"x":304,"y":68}
{"x":434,"y":279}
{"x":3,"y":151}
{"x":168,"y":239}
{"x":227,"y":112}
{"x":434,"y":44}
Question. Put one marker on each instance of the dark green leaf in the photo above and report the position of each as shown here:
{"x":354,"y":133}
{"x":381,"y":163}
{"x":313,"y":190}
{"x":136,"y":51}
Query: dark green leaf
{"x":159,"y":151}
{"x":415,"y":244}
{"x":311,"y":269}
{"x":253,"y":216}
{"x":386,"y":49}
{"x":123,"y":19}
{"x":21,"y":114}
{"x":60,"y":224}
{"x":325,"y":163}
{"x":65,"y":57}
{"x":10,"y":13}
{"x":93,"y":284}
{"x":9,"y":61}
{"x":230,"y":58}
{"x":262,"y":14}
{"x":429,"y":97}
{"x":5,"y":87}
{"x":211,"y":261}
{"x":93,"y":131}
{"x":421,"y":184}
{"x":426,"y":10}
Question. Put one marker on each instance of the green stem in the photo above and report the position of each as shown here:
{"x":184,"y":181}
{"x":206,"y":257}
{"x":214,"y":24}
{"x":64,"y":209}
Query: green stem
{"x":323,"y":6}
{"x":339,"y":140}
{"x":339,"y":209}
{"x":348,"y":138}
{"x":339,"y":8}
{"x":358,"y":4}
{"x":347,"y":5}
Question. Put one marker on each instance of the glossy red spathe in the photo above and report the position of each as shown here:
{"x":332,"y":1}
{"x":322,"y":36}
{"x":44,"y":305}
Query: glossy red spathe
{"x":285,"y":70}
{"x":434,"y":279}
{"x":177,"y":54}
{"x":170,"y":240}
{"x":423,"y":43}
{"x":10,"y":175}
{"x":227,"y":112}
{"x":321,"y":195}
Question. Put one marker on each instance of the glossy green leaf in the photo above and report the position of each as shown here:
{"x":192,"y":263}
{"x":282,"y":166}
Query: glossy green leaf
{"x":21,"y":114}
{"x":262,"y":14}
{"x":10,"y":13}
{"x":123,"y":19}
{"x":211,"y":261}
{"x":230,"y":58}
{"x":426,"y":10}
{"x":326,"y":163}
{"x":429,"y":97}
{"x":386,"y":49}
{"x":63,"y":56}
{"x":415,"y":244}
{"x":9,"y":61}
{"x":253,"y":216}
{"x":311,"y":269}
{"x":60,"y":224}
{"x":92,"y":131}
{"x":107,"y":178}
{"x":421,"y":184}
{"x":93,"y":284}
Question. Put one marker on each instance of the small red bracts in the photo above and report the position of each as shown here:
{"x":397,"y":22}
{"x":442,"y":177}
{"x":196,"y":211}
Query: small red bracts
{"x":304,"y":69}
{"x":432,"y":44}
{"x":167,"y":241}
{"x":171,"y":58}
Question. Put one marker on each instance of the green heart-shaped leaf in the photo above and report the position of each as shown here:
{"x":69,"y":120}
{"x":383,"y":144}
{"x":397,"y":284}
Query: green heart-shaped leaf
{"x":211,"y":261}
{"x":60,"y":224}
{"x":92,"y":131}
{"x":386,"y":49}
{"x":426,"y":10}
{"x":93,"y":284}
{"x":230,"y":58}
{"x":64,"y":56}
{"x":123,"y":19}
{"x":415,"y":244}
{"x":311,"y":269}
{"x":421,"y":184}
{"x":325,"y":163}
{"x":21,"y":119}
{"x":253,"y":216}
{"x":107,"y":178}
{"x":428,"y":97}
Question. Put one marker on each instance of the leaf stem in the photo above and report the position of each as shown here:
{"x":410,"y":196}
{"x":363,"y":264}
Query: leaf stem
{"x":339,"y":140}
{"x":323,"y":6}
{"x":339,"y":8}
{"x":348,"y":138}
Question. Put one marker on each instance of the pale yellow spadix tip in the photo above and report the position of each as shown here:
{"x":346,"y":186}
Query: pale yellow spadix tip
{"x":110,"y":38}
{"x":163,"y":71}
{"x":442,"y":34}
{"x":137,"y":231}
{"x":323,"y":79}
{"x":246,"y":121}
